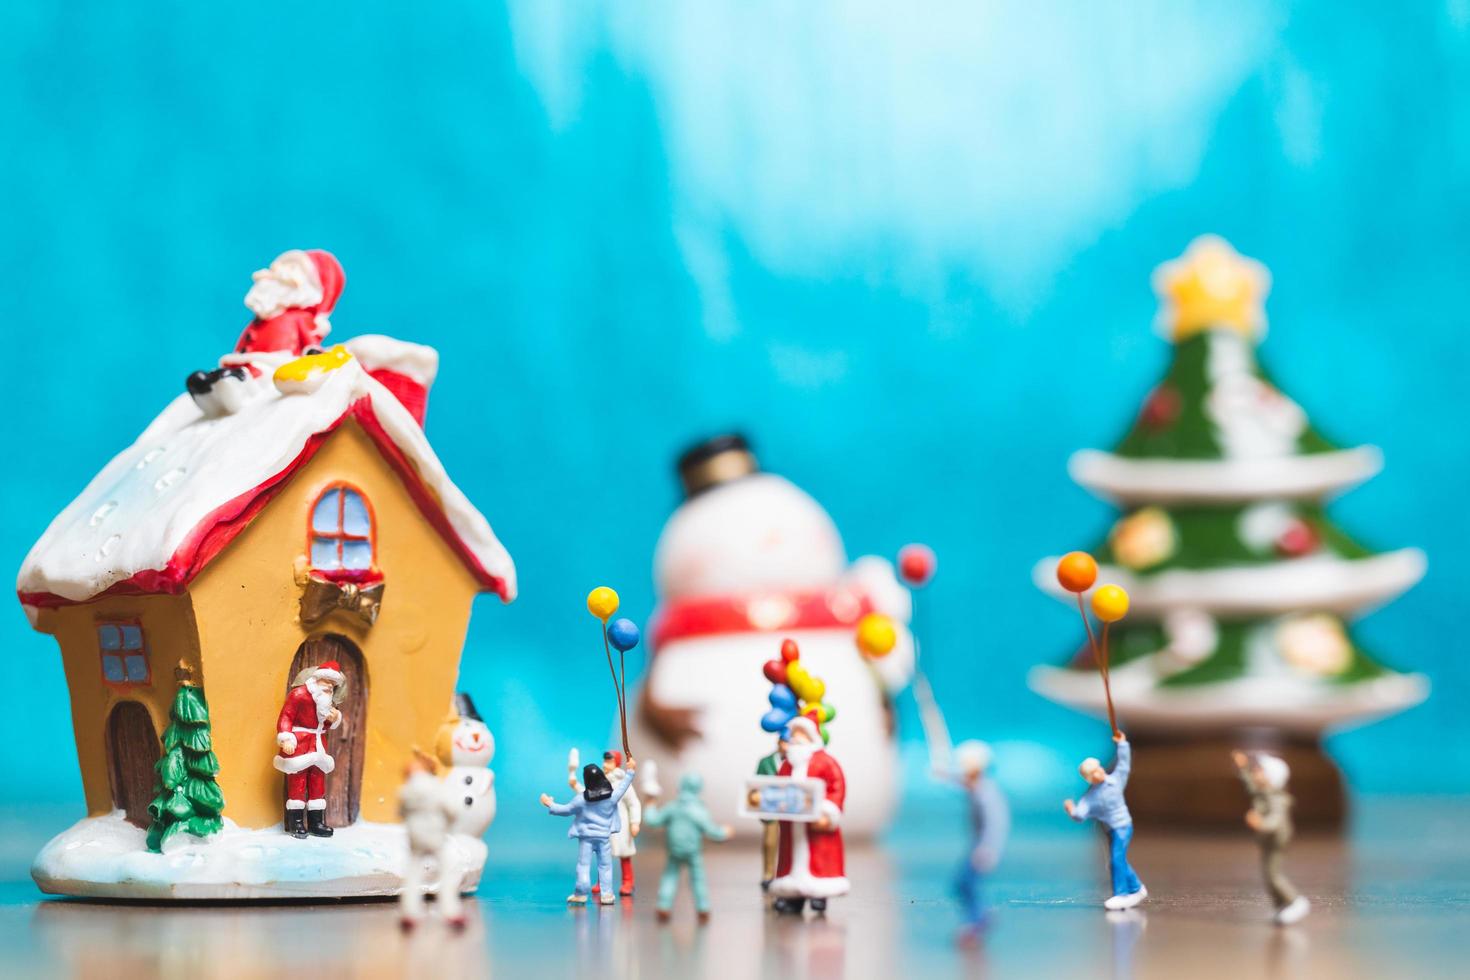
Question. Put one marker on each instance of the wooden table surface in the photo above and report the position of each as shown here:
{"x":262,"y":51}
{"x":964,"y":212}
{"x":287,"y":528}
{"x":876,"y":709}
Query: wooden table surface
{"x":1392,"y":900}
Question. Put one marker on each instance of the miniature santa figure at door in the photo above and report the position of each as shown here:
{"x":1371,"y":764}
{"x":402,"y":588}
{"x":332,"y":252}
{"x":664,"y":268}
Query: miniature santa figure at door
{"x":746,"y":557}
{"x":310,"y":711}
{"x":809,"y":866}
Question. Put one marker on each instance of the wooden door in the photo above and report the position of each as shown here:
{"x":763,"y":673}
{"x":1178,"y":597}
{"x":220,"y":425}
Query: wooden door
{"x":346,"y":744}
{"x":133,"y":749}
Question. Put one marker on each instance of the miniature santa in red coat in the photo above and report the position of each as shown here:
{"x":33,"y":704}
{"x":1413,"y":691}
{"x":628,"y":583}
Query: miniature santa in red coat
{"x":809,"y":864}
{"x":291,"y":301}
{"x":309,"y":713}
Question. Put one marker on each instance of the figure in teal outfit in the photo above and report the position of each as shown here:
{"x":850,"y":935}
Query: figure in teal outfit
{"x":686,"y":824}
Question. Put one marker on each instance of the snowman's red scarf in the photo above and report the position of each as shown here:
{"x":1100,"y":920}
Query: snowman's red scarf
{"x":759,"y":612}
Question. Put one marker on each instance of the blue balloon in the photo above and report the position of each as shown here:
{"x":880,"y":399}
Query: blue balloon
{"x":783,"y":697}
{"x":775,"y":720}
{"x":623,"y":634}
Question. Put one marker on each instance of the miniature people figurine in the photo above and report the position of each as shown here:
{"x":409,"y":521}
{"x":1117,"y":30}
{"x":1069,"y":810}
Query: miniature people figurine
{"x":990,"y":824}
{"x":770,"y":829}
{"x":810,"y":863}
{"x":687,"y":824}
{"x":594,"y":813}
{"x":630,"y":816}
{"x":465,"y":746}
{"x":310,"y":709}
{"x":428,"y":813}
{"x":1104,"y":803}
{"x":1265,"y":779}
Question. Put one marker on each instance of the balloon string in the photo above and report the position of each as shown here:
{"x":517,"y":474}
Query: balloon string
{"x":1091,"y":639}
{"x":1107,"y":682}
{"x":617,"y":689}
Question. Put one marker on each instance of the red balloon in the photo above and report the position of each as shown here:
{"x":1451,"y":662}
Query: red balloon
{"x":789,"y":652}
{"x":916,"y":563}
{"x":775,"y":671}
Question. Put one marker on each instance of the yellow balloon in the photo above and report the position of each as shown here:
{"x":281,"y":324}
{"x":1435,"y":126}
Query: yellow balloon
{"x":815,"y":690}
{"x":797,"y":679}
{"x":602,"y":602}
{"x":1110,"y":603}
{"x":876,"y":635}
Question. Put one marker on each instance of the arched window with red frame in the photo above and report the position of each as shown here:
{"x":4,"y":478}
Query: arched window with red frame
{"x":342,"y":542}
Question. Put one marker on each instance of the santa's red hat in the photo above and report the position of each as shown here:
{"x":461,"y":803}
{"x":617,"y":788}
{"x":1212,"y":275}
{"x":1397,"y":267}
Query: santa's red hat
{"x":804,"y":723}
{"x":328,"y":671}
{"x":329,"y":273}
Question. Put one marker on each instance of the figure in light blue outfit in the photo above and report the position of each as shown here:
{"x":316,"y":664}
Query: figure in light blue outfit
{"x":990,"y":825}
{"x":594,"y":813}
{"x":687,"y":824}
{"x":1104,"y":803}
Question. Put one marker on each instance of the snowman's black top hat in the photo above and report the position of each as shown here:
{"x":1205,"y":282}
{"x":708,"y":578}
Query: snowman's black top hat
{"x":714,"y":461}
{"x":464,"y":707}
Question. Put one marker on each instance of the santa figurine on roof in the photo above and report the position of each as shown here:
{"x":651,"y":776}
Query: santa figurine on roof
{"x":309,"y":713}
{"x":292,"y":300}
{"x":748,"y":557}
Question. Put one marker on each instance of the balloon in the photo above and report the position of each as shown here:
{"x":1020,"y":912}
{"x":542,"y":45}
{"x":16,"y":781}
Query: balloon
{"x":876,"y":635}
{"x":796,"y":676}
{"x":827,"y":712}
{"x":775,"y":720}
{"x":916,"y":564}
{"x":1110,"y":603}
{"x":602,"y":602}
{"x":1076,"y":571}
{"x":826,"y":735}
{"x":783,"y":697}
{"x":775,"y":671}
{"x":623,"y":634}
{"x":789,"y":651}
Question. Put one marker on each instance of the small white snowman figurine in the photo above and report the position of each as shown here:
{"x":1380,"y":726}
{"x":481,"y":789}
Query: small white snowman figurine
{"x":465,"y":746}
{"x":747,"y":560}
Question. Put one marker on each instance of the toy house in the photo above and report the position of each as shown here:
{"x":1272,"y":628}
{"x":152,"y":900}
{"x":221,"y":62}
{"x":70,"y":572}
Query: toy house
{"x":305,"y":519}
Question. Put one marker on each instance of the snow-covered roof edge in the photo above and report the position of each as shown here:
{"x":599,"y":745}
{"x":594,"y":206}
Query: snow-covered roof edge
{"x":71,"y":562}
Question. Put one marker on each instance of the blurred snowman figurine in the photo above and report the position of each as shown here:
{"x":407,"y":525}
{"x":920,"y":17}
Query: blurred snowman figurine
{"x":746,"y":557}
{"x":465,"y":746}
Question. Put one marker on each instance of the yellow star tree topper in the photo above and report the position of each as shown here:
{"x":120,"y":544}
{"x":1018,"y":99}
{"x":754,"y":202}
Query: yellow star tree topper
{"x":1212,"y":286}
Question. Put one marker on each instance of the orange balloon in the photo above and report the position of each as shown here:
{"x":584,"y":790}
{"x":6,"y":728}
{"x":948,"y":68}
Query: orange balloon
{"x":1076,"y":571}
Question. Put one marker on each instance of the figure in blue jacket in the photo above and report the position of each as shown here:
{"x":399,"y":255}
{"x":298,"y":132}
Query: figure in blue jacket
{"x":594,"y":813}
{"x":990,"y":824}
{"x":1104,"y":803}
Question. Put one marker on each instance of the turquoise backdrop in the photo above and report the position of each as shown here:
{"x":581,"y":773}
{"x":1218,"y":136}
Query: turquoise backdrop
{"x":907,"y":251}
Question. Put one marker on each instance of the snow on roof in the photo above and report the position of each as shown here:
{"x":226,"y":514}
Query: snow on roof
{"x":165,"y":506}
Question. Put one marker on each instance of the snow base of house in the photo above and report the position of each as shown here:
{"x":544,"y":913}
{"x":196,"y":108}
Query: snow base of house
{"x":107,"y":857}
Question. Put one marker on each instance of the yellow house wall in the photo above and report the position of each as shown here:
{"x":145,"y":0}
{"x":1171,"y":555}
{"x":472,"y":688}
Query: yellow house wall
{"x":247,"y":605}
{"x":169,"y":635}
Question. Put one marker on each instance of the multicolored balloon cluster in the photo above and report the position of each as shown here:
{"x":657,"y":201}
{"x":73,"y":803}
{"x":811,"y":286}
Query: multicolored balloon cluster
{"x":795,"y":691}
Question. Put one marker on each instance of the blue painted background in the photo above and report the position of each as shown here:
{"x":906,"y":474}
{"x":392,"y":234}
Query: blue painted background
{"x":909,"y":255}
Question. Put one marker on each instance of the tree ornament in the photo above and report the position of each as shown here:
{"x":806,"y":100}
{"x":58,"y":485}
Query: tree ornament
{"x":1161,"y":408}
{"x":1211,"y":286}
{"x":1298,"y":539}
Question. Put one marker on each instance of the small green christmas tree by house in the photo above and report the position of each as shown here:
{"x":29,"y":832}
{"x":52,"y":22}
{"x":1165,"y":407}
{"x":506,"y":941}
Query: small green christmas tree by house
{"x":188,"y":797}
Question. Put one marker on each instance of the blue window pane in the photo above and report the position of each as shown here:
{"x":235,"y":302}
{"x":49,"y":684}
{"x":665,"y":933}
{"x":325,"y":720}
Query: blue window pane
{"x":137,"y":668}
{"x":357,"y":554}
{"x":112,"y":667}
{"x":324,"y":553}
{"x":132,"y":637}
{"x":324,"y":517}
{"x":355,"y":518}
{"x":110,"y":637}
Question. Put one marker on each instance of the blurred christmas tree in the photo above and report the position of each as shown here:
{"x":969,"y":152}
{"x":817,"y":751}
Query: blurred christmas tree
{"x":188,"y":797}
{"x":1240,"y":582}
